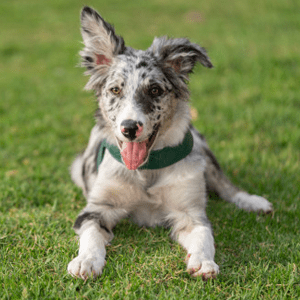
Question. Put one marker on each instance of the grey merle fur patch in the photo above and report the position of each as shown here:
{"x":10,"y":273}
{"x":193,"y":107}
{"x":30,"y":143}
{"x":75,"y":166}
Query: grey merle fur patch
{"x":87,"y":216}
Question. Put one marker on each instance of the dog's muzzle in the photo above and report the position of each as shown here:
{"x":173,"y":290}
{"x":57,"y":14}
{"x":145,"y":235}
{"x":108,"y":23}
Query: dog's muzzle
{"x":135,"y":154}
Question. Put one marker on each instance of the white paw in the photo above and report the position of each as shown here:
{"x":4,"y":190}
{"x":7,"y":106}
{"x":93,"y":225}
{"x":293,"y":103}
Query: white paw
{"x":198,"y":267}
{"x":85,"y":266}
{"x":252,"y":202}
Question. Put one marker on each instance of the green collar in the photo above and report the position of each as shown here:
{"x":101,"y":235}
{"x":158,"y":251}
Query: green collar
{"x":158,"y":159}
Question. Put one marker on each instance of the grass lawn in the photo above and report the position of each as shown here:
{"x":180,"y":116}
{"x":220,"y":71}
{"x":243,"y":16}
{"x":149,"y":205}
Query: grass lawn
{"x":248,"y":108}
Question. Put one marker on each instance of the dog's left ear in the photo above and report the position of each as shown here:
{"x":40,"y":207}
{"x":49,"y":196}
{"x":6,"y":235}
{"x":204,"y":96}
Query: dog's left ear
{"x":179,"y":54}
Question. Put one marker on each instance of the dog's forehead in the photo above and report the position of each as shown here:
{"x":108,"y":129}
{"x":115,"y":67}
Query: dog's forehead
{"x":139,"y":63}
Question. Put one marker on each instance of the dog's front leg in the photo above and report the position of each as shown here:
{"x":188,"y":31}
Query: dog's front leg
{"x":94,"y":227}
{"x":91,"y":257}
{"x":199,"y":243}
{"x":190,"y":225}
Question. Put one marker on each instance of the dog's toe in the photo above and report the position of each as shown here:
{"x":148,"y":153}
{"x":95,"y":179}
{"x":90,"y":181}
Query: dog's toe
{"x":209,"y":269}
{"x":204,"y":268}
{"x":85,"y":267}
{"x":74,"y":267}
{"x":206,"y":276}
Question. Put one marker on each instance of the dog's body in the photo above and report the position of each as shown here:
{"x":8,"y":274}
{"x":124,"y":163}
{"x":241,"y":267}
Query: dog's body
{"x":143,"y":108}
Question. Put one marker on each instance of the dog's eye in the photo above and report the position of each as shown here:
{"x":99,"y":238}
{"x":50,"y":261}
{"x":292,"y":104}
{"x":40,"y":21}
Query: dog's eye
{"x":155,"y":91}
{"x":116,"y":90}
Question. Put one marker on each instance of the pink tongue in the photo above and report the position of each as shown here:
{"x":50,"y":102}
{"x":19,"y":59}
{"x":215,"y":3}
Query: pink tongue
{"x":133,"y":154}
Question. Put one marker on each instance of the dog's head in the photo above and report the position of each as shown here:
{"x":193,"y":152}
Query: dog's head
{"x":142,"y":94}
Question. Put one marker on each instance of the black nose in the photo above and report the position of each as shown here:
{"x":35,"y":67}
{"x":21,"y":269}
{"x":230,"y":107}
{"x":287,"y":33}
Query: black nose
{"x":131,"y":129}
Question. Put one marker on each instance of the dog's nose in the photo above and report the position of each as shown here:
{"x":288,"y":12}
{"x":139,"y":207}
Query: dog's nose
{"x":131,"y":129}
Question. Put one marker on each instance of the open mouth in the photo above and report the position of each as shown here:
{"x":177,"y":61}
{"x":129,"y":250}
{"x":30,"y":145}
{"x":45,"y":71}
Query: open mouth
{"x":135,"y":154}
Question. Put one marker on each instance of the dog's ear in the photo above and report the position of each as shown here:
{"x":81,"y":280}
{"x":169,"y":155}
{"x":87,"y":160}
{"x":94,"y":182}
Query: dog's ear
{"x":177,"y":58}
{"x":179,"y":54}
{"x":101,"y":44}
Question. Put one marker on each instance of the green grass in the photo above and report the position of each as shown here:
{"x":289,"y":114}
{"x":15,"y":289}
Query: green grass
{"x":248,"y":106}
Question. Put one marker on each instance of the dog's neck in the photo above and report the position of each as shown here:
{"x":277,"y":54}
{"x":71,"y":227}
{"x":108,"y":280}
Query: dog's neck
{"x":175,"y":132}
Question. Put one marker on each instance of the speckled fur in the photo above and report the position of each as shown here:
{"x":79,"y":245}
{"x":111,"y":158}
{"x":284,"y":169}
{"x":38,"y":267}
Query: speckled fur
{"x":174,"y":196}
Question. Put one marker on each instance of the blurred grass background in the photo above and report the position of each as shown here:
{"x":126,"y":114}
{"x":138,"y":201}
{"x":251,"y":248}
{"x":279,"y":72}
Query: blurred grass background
{"x":248,"y":108}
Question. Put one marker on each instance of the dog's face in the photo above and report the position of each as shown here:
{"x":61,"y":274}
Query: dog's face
{"x":136,"y":100}
{"x":138,"y":91}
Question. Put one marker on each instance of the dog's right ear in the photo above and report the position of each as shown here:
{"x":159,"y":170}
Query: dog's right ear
{"x":101,"y":45}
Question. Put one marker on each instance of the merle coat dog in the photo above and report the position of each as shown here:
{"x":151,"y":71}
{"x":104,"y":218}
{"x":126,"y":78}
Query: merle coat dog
{"x":144,"y":159}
